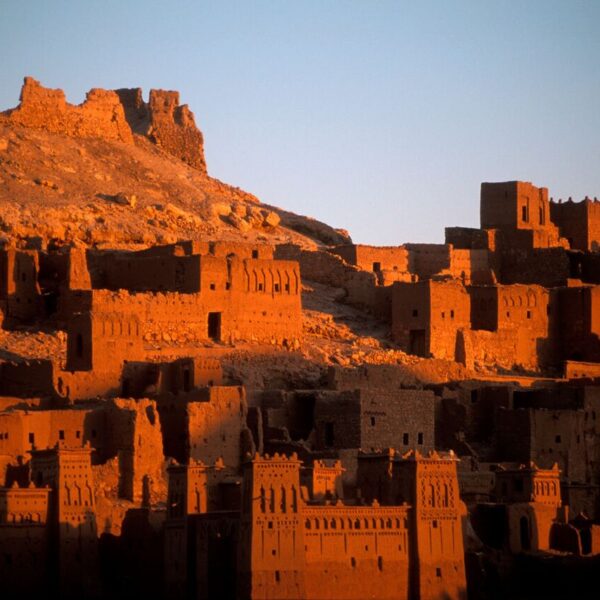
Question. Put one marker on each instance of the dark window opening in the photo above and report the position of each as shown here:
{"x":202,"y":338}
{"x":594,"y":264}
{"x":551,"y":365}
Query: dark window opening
{"x":228,"y":286}
{"x":524,"y":215}
{"x":214,"y":326}
{"x":61,"y":434}
{"x":213,"y":286}
{"x":287,"y":287}
{"x":529,"y":314}
{"x":376,"y":267}
{"x":558,"y":439}
{"x":79,"y":345}
{"x":438,"y":572}
{"x":405,"y":439}
{"x":78,"y":434}
{"x":329,"y":435}
{"x":276,"y":287}
{"x":420,"y":438}
{"x":254,"y":253}
{"x":380,"y":563}
{"x":260,"y":287}
{"x":187,"y":378}
{"x":452,"y":314}
{"x":524,"y":531}
{"x":31,"y":438}
{"x":372,"y":421}
{"x":434,"y":524}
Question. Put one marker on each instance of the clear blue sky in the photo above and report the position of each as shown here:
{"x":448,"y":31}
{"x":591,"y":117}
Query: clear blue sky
{"x":379,"y":117}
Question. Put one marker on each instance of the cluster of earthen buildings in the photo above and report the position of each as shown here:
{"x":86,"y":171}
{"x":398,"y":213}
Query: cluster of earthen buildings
{"x":132,"y":464}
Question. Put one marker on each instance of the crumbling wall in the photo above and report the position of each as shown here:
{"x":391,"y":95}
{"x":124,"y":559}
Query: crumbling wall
{"x":134,"y":435}
{"x":324,"y":267}
{"x":100,"y":116}
{"x":165,"y":122}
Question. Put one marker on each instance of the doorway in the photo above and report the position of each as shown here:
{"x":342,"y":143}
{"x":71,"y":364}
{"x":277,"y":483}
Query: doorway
{"x":214,"y":326}
{"x":416,"y":342}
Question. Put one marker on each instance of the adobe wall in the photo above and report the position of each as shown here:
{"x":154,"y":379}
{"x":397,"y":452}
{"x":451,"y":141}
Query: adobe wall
{"x":324,"y":267}
{"x":100,"y":116}
{"x":216,"y":426}
{"x":165,"y":122}
{"x":101,"y":340}
{"x":579,"y":317}
{"x":401,"y":419}
{"x":579,"y":222}
{"x":374,"y":419}
{"x":228,"y":287}
{"x":547,"y":267}
{"x":426,"y":317}
{"x":385,"y":258}
{"x":356,"y":552}
{"x":514,"y":205}
{"x":133,"y":434}
{"x":19,"y":287}
{"x":426,"y":260}
{"x":466,"y":238}
{"x":22,"y":431}
{"x":545,"y":437}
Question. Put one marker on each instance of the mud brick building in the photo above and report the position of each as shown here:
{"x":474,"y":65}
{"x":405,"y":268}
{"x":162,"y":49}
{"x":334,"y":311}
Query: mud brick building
{"x":282,"y":543}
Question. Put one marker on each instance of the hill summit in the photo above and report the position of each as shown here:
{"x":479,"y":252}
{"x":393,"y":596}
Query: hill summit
{"x":119,"y":171}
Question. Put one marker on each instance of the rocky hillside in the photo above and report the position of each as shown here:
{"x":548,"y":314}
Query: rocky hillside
{"x":116,"y":171}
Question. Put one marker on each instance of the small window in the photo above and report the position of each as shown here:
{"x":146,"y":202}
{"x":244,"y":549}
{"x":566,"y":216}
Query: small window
{"x":452,"y":314}
{"x":507,"y":314}
{"x":277,"y":576}
{"x":438,"y":572}
{"x":329,"y":435}
{"x":287,"y":287}
{"x":405,"y":439}
{"x":443,"y":315}
{"x":524,"y":217}
{"x":352,"y":562}
{"x":61,"y":434}
{"x":434,"y":524}
{"x":79,"y":345}
{"x":558,"y":439}
{"x":420,"y":438}
{"x":376,"y":267}
{"x":380,"y":563}
{"x":372,"y":421}
{"x":276,"y":287}
{"x":31,"y":438}
{"x":260,"y":287}
{"x":213,"y":286}
{"x":254,"y":253}
{"x":529,"y":314}
{"x":415,"y":312}
{"x":228,"y":286}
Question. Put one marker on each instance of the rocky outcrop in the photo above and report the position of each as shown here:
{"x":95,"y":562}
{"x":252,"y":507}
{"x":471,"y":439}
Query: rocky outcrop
{"x":166,"y":123}
{"x":100,"y":116}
